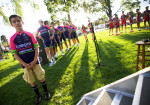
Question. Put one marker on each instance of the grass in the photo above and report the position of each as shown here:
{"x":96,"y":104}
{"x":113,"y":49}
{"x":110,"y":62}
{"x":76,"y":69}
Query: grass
{"x":72,"y":76}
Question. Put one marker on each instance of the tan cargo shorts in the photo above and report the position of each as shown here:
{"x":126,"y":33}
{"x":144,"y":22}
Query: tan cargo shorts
{"x":30,"y":75}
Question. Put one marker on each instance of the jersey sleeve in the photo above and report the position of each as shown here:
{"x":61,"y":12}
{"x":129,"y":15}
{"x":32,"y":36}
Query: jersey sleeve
{"x":13,"y":46}
{"x":38,"y":30}
{"x":34,"y":41}
{"x":47,"y":27}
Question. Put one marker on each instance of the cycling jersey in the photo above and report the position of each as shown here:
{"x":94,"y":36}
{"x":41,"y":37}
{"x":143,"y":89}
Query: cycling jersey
{"x":83,"y":28}
{"x":146,"y":17}
{"x":111,"y":23}
{"x":23,"y":44}
{"x":123,"y":20}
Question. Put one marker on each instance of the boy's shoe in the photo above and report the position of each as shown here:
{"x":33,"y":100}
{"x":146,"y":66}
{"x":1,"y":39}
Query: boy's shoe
{"x":78,"y":44}
{"x":75,"y":45}
{"x":67,"y":49}
{"x":56,"y":57}
{"x":50,"y":64}
{"x":54,"y":61}
{"x":62,"y":53}
{"x":38,"y":100}
{"x":145,"y":28}
{"x":47,"y":96}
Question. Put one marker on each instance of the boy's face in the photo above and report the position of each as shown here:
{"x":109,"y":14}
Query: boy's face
{"x":41,"y":23}
{"x":58,"y":23}
{"x":64,"y":23}
{"x":52,"y":25}
{"x":16,"y":22}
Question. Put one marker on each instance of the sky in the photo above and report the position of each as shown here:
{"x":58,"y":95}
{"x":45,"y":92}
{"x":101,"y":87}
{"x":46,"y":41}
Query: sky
{"x":31,"y":18}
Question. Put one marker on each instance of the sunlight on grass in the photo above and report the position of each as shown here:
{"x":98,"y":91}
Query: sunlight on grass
{"x":8,"y":78}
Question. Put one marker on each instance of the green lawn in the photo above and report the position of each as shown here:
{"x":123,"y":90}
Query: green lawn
{"x":73,"y":75}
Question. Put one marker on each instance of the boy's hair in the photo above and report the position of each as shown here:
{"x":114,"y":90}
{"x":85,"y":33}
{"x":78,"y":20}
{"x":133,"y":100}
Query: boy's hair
{"x":45,"y":22}
{"x":58,"y":21}
{"x":14,"y":16}
{"x":52,"y":22}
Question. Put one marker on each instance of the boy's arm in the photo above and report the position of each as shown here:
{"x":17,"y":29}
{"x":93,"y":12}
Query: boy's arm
{"x":35,"y":57}
{"x":28,"y":66}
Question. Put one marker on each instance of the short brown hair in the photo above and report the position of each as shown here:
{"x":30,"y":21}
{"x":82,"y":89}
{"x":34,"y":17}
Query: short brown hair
{"x":14,"y":16}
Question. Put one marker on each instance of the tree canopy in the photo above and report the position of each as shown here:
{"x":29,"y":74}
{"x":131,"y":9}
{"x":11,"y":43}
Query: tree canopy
{"x":14,"y":5}
{"x":93,"y":6}
{"x":54,"y":6}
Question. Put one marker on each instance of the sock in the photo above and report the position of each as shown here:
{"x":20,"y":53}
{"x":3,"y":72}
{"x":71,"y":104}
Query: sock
{"x":51,"y":60}
{"x":36,"y":90}
{"x":44,"y":87}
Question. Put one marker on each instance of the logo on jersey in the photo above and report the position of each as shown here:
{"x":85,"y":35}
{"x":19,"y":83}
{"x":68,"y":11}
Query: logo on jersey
{"x":23,"y":45}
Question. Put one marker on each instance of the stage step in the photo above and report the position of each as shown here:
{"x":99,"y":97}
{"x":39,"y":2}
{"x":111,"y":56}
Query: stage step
{"x":113,"y":97}
{"x":142,"y":92}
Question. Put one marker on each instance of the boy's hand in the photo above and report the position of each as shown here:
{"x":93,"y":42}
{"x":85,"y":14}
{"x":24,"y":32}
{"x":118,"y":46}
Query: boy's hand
{"x":32,"y":64}
{"x":51,"y":38}
{"x":28,"y":66}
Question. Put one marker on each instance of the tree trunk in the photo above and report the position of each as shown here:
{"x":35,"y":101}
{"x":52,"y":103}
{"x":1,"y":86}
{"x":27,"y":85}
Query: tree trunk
{"x":69,"y":18}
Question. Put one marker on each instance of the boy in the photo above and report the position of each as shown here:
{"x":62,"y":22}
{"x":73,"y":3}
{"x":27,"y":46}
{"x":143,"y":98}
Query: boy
{"x":138,"y":19}
{"x":52,"y":48}
{"x":47,"y":34}
{"x":57,"y":38}
{"x":111,"y":25}
{"x":123,"y":21}
{"x":66,"y":33}
{"x":74,"y":34}
{"x":25,"y":49}
{"x":62,"y":36}
{"x":91,"y":28}
{"x":116,"y":21}
{"x":131,"y":21}
{"x":146,"y":17}
{"x":84,"y":32}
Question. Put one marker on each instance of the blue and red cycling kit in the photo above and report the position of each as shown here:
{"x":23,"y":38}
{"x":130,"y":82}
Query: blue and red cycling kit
{"x":66,"y":33}
{"x":56,"y":36}
{"x":46,"y":33}
{"x":62,"y":35}
{"x":23,"y":44}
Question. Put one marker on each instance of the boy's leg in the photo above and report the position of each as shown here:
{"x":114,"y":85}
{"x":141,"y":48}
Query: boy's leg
{"x":29,"y":77}
{"x":48,"y":53}
{"x":40,"y":75}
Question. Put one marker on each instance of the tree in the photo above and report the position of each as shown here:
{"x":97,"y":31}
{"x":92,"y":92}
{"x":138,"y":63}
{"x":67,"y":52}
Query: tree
{"x":14,"y":5}
{"x":106,"y":6}
{"x":54,"y":6}
{"x":4,"y":40}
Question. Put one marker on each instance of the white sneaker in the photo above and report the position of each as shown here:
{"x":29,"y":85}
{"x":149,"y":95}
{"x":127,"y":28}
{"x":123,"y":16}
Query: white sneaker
{"x":62,"y":53}
{"x":56,"y":53}
{"x":67,"y":49}
{"x":54,"y":61}
{"x":145,"y":28}
{"x":149,"y":49}
{"x":50,"y":64}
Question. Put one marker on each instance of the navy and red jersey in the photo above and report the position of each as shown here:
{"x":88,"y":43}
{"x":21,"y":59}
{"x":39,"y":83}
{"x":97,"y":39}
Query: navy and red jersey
{"x":116,"y":20}
{"x":23,"y":44}
{"x":111,"y":23}
{"x":66,"y":28}
{"x":56,"y":30}
{"x":74,"y":28}
{"x":146,"y":16}
{"x":123,"y":18}
{"x":45,"y":32}
{"x":60,"y":28}
{"x":138,"y":15}
{"x":84,"y":28}
{"x":90,"y":25}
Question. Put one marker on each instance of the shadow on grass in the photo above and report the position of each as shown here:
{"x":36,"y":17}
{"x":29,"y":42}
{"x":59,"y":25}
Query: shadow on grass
{"x":54,"y":74}
{"x":82,"y":83}
{"x":115,"y":67}
{"x":135,"y":36}
{"x":17,"y":92}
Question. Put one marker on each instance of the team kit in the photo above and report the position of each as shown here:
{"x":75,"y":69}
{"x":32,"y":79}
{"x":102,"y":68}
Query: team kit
{"x":115,"y":22}
{"x":25,"y":47}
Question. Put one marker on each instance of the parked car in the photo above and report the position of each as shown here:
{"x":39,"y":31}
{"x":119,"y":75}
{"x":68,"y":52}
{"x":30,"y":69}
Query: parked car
{"x":79,"y":33}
